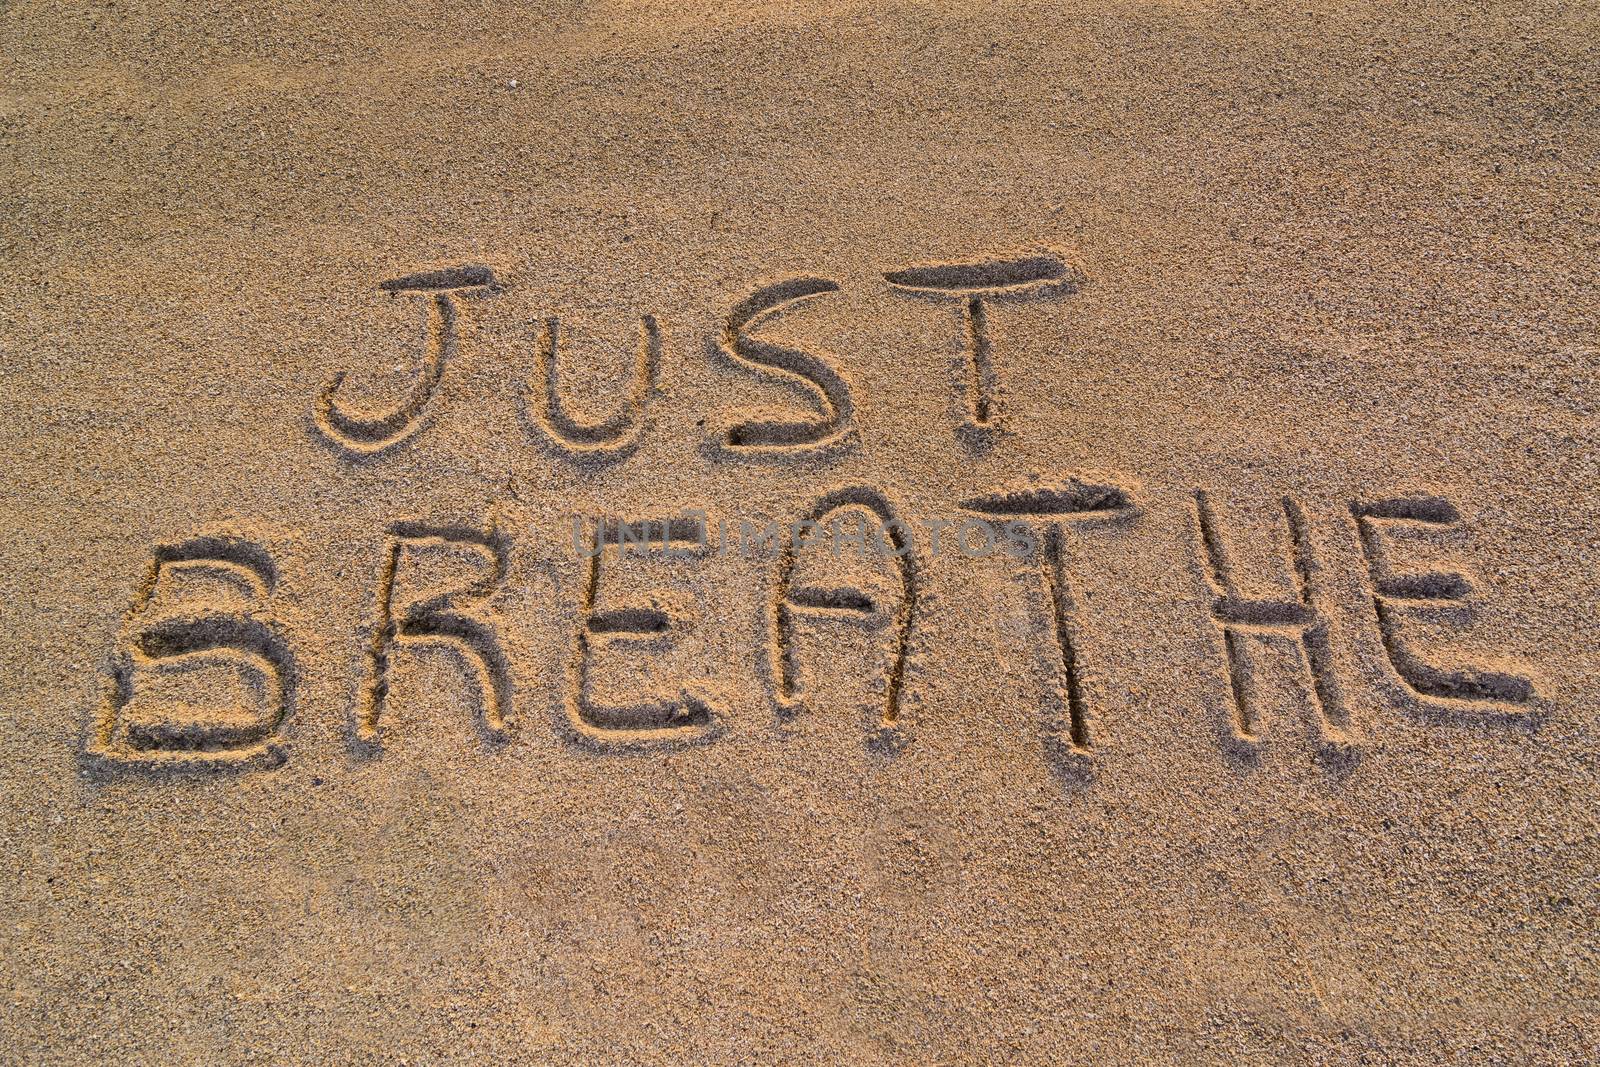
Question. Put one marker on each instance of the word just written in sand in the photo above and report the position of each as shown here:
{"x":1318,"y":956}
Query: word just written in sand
{"x":444,"y":295}
{"x":167,"y":635}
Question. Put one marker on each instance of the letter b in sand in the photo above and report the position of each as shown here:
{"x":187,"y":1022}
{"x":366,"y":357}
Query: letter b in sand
{"x":203,"y":676}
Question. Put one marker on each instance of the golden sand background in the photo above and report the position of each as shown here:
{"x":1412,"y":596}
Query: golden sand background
{"x":1333,"y":252}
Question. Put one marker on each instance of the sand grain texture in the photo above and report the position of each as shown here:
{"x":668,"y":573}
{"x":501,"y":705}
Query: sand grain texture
{"x":1329,"y":266}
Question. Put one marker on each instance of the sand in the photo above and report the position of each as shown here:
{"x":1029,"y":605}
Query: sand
{"x":1275,"y":326}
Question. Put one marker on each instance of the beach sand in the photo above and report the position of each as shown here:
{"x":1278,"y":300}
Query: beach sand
{"x":1274,"y":327}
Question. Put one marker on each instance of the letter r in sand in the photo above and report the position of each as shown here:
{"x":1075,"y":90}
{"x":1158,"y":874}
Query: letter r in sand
{"x":458,"y":619}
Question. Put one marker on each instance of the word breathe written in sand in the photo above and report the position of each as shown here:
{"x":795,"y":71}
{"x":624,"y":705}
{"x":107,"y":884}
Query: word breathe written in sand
{"x":173,"y":642}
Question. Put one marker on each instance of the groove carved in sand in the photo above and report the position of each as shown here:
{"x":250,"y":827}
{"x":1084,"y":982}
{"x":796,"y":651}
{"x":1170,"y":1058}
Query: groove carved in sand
{"x":779,"y":433}
{"x":974,"y":284}
{"x":1301,"y":621}
{"x":187,"y":638}
{"x":613,"y":436}
{"x":459,"y":620}
{"x":1470,"y":689}
{"x":1078,"y":502}
{"x":367,"y":433}
{"x":789,"y":602}
{"x":662,"y":719}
